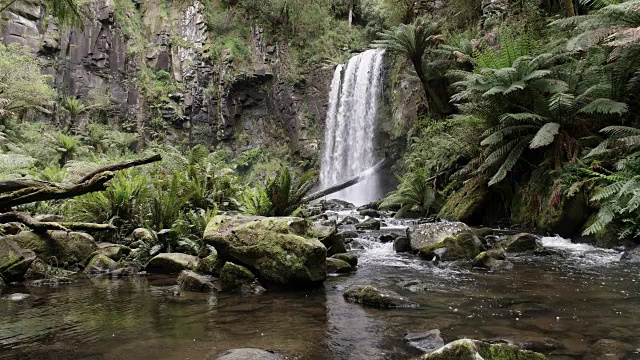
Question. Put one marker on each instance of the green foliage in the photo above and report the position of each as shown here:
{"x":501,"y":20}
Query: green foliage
{"x":22,"y":87}
{"x":281,"y":194}
{"x":415,"y":194}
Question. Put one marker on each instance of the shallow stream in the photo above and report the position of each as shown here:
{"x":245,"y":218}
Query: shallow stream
{"x":560,"y":303}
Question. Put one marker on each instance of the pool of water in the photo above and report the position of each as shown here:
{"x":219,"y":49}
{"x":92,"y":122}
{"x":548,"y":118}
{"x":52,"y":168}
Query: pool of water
{"x":563,"y":302}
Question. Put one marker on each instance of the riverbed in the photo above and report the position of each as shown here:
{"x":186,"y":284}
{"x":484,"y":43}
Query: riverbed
{"x":559,"y":304}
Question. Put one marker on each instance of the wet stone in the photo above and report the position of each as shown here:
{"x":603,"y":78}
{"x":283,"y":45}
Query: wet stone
{"x":427,"y":341}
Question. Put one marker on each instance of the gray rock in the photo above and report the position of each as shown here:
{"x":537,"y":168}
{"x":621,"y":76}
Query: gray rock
{"x":247,"y":354}
{"x":402,"y":244}
{"x":352,"y":259}
{"x":464,"y":246}
{"x":631,"y":255}
{"x":370,"y":213}
{"x":522,"y":242}
{"x":191,"y":281}
{"x":349,"y":220}
{"x":142,"y":234}
{"x":379,"y":298}
{"x":425,"y":341}
{"x":385,"y":238}
{"x":236,"y":278}
{"x":171,"y":263}
{"x":369,"y":224}
{"x":211,"y":264}
{"x":493,"y":260}
{"x":335,"y":205}
{"x":337,"y":266}
{"x":10,"y":228}
{"x":432,"y":233}
{"x":350,"y":234}
{"x":113,"y":251}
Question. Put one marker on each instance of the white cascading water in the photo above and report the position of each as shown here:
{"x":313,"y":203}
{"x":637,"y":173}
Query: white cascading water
{"x":350,"y":127}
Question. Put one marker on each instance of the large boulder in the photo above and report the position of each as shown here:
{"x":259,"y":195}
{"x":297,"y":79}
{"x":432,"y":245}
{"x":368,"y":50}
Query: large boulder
{"x":58,"y":248}
{"x":171,"y":263}
{"x":14,"y":260}
{"x":116,"y":252}
{"x":374,"y":297}
{"x":247,"y":354}
{"x":427,"y":234}
{"x":369,"y":224}
{"x":466,"y":349}
{"x":280,"y":251}
{"x":330,"y":238}
{"x":192,"y":281}
{"x":465,"y":246}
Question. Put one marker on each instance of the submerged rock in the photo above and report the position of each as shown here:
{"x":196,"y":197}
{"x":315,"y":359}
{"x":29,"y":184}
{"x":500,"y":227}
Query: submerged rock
{"x":492,"y":260}
{"x":352,"y":259}
{"x":58,"y":247}
{"x":247,"y":354}
{"x":374,"y":297}
{"x":369,"y":224}
{"x":432,"y":233}
{"x":281,"y":251}
{"x":427,"y":341}
{"x":607,"y":349}
{"x":466,"y":349}
{"x":401,"y":244}
{"x":171,"y":263}
{"x":191,"y":281}
{"x":99,"y":264}
{"x":465,"y":246}
{"x":337,"y":266}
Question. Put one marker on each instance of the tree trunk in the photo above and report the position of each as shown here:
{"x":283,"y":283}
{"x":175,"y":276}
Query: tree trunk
{"x":350,"y":14}
{"x":571,"y":10}
{"x":434,"y":102}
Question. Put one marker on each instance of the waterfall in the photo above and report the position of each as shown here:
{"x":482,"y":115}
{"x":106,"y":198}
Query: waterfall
{"x":350,"y":126}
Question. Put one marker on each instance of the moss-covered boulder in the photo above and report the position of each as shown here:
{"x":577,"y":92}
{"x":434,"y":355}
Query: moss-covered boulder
{"x":330,"y":238}
{"x":280,"y":251}
{"x":379,"y":298}
{"x":100,"y":263}
{"x":171,"y":263}
{"x":352,"y":259}
{"x":422,"y":235}
{"x":236,"y":278}
{"x":192,"y":281}
{"x":466,"y":349}
{"x":58,"y":248}
{"x":492,"y":260}
{"x":115,"y":252}
{"x":337,"y":266}
{"x":468,"y":203}
{"x":465,"y":246}
{"x":211,"y":264}
{"x":520,"y":243}
{"x":369,"y":224}
{"x":14,"y":260}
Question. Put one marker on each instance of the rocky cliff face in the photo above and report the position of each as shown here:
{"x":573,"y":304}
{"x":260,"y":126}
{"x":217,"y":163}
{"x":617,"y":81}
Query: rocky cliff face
{"x":124,"y":48}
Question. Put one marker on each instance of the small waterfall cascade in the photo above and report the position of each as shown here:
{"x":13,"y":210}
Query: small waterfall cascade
{"x":351,"y":121}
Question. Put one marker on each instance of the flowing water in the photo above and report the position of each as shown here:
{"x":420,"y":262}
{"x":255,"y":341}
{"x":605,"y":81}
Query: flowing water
{"x":561,"y":303}
{"x":350,"y":125}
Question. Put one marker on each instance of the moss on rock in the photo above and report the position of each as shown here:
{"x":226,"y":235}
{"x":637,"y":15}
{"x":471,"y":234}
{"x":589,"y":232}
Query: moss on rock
{"x":465,"y":246}
{"x":337,"y":266}
{"x":57,"y":247}
{"x":233,"y":277}
{"x":211,"y":264}
{"x":349,"y":258}
{"x":466,"y":349}
{"x":374,"y":297}
{"x":467,"y":202}
{"x":171,"y":263}
{"x":100,"y":263}
{"x":281,"y":251}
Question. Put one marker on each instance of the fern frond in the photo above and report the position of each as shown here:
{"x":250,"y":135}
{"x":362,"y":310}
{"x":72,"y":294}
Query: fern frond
{"x":545,"y":135}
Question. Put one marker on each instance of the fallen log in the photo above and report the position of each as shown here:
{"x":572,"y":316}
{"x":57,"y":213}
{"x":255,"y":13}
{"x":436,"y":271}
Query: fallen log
{"x":25,"y":191}
{"x":43,"y":226}
{"x":354,"y":180}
